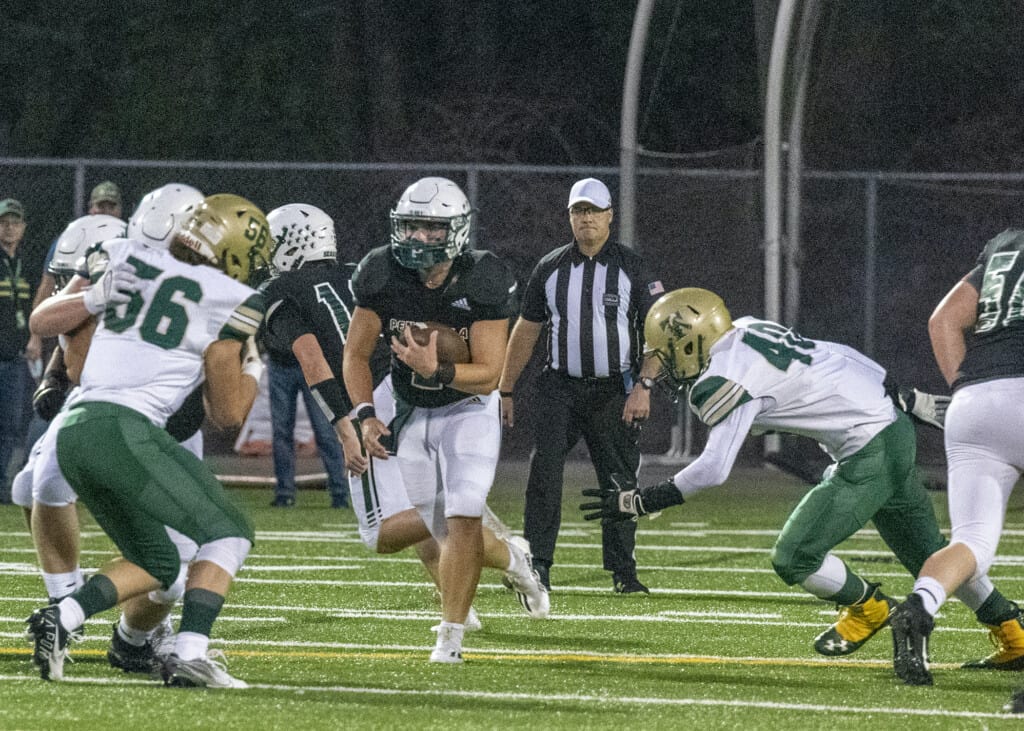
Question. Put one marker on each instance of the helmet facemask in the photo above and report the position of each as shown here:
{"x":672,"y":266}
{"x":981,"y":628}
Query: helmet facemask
{"x":431,"y":204}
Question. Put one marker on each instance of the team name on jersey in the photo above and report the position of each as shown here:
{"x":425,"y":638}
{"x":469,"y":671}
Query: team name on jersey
{"x":397,"y":326}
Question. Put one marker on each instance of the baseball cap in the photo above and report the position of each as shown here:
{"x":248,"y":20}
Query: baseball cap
{"x":590,"y":190}
{"x":9,"y":206}
{"x":105,"y":191}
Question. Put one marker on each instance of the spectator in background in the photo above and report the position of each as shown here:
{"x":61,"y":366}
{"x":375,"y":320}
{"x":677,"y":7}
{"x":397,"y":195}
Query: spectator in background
{"x":106,"y":198}
{"x":594,"y":294}
{"x":18,"y":279}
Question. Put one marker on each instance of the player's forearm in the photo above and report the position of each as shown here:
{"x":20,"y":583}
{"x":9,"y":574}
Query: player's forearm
{"x":520,"y":348}
{"x":57,"y":315}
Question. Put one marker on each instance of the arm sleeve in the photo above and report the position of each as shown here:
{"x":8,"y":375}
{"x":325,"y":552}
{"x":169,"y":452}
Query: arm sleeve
{"x":715,"y":463}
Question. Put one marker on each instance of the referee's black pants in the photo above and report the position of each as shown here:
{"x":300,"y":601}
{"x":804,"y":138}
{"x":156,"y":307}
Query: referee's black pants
{"x":568,"y":408}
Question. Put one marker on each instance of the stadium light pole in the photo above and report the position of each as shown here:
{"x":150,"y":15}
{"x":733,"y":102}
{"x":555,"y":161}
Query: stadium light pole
{"x":628,"y":132}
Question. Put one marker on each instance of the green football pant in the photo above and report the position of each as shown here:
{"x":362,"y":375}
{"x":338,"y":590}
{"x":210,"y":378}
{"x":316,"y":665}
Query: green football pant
{"x":880,"y":483}
{"x":135,"y":479}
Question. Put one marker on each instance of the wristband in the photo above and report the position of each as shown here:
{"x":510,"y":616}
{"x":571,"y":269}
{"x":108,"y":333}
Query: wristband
{"x":365,"y":411}
{"x":505,"y":394}
{"x":330,"y":397}
{"x":445,"y":373}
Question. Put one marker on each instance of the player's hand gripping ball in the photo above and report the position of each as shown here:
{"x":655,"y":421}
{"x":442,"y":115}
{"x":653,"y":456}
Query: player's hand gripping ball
{"x":451,"y":347}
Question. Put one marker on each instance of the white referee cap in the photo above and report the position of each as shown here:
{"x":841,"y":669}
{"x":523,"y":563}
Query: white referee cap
{"x":592,"y":191}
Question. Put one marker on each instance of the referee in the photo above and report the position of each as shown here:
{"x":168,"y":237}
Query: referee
{"x":593,"y":294}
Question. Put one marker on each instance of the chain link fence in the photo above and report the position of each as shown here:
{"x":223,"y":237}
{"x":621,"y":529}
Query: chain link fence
{"x":879,"y":250}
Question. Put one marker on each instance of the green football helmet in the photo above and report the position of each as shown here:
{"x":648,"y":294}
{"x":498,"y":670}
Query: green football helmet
{"x":231,"y":234}
{"x":679,"y":331}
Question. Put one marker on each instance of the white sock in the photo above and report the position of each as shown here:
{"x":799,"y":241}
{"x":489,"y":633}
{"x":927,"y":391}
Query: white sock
{"x":59,"y":586}
{"x":450,"y":633}
{"x":191,"y":645}
{"x":513,"y":556}
{"x":132,"y":636}
{"x":931,"y":592}
{"x":828,"y":579}
{"x":72,"y":616}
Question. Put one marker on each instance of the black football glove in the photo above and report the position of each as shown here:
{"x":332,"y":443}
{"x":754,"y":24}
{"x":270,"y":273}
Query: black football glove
{"x":927,"y":408}
{"x":623,"y":501}
{"x":50,"y":394}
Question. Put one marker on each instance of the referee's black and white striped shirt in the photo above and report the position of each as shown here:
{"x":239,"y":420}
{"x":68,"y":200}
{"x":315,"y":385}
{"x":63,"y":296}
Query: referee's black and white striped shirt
{"x":595,"y":306}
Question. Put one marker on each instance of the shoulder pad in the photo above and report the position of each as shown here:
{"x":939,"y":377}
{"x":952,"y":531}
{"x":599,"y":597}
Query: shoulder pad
{"x":492,"y":281}
{"x":371,"y":275}
{"x":714,"y":397}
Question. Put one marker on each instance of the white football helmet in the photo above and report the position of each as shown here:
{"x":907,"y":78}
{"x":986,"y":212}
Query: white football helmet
{"x":301,"y":233}
{"x":78,"y":238}
{"x":162,"y":212}
{"x":430,"y":201}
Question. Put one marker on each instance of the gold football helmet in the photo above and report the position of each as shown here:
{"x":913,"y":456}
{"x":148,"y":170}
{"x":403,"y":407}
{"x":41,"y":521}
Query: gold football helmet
{"x":231,"y":234}
{"x":680,"y":329}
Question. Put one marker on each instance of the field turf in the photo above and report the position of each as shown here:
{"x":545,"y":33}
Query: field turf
{"x":333,"y":637}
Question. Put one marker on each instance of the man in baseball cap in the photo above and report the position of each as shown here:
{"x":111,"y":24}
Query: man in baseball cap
{"x":11,"y":207}
{"x":105,"y":198}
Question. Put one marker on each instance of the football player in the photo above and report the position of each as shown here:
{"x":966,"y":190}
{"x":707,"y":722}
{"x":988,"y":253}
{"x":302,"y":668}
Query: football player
{"x":176,"y":316}
{"x":753,"y":375}
{"x":309,"y":308}
{"x":40,"y":483}
{"x":447,"y":428}
{"x":977,"y":337}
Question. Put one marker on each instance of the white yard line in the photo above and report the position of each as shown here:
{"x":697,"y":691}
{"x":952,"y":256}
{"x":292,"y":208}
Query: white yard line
{"x":603,"y":700}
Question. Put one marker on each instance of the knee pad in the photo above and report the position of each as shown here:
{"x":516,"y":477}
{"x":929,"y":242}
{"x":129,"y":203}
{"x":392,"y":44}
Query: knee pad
{"x":172,"y":593}
{"x":228,"y":553}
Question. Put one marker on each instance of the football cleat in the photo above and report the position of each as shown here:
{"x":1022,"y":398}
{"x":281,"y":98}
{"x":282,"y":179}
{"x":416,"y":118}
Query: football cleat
{"x":448,"y":648}
{"x":51,"y":642}
{"x":131,"y":658}
{"x":911,"y":627}
{"x":1016,"y":702}
{"x":282,"y":501}
{"x":526,"y":581}
{"x":1008,"y":639}
{"x":856,"y":624}
{"x":203,"y":672}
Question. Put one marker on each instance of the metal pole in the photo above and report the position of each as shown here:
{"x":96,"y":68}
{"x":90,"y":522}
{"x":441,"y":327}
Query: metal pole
{"x":773,"y":170}
{"x":870,"y":262}
{"x":626,"y":208}
{"x":795,"y":158}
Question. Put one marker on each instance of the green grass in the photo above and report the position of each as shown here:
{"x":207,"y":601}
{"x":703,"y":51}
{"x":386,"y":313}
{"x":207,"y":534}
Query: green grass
{"x":334,"y":637}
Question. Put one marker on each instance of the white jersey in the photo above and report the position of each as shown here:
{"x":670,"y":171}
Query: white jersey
{"x":814,"y":388}
{"x":147,"y":354}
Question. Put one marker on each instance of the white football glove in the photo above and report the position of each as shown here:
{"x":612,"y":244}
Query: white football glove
{"x":115,"y":287}
{"x":928,"y":408}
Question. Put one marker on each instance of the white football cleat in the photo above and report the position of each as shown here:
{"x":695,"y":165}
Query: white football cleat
{"x":525,"y":580}
{"x":449,"y":646}
{"x":203,"y":672}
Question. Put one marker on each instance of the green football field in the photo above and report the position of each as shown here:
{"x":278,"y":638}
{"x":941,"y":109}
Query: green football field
{"x":333,"y":637}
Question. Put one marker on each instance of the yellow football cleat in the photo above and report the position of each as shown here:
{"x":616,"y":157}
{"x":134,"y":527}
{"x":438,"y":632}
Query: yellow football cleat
{"x":857,"y":624}
{"x":1008,"y":639}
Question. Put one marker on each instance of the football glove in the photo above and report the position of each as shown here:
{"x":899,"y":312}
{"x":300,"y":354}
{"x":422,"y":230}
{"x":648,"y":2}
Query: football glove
{"x":927,"y":408}
{"x":115,"y":287}
{"x":50,"y":394}
{"x":623,"y":501}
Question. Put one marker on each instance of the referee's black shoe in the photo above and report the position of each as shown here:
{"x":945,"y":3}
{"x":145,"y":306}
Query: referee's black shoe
{"x":628,"y":584}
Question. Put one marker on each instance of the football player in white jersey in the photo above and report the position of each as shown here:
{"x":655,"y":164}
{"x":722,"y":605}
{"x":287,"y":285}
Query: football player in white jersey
{"x":40,"y":483}
{"x":756,"y":376}
{"x":977,"y":335}
{"x":176,"y":316}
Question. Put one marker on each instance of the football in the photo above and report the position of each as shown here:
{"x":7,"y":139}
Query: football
{"x":451,"y":347}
